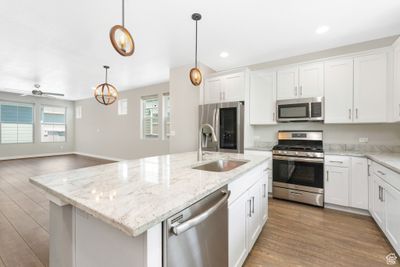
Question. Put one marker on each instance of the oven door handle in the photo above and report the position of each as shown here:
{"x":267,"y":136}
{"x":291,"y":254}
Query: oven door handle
{"x":182,"y":227}
{"x":299,"y":159}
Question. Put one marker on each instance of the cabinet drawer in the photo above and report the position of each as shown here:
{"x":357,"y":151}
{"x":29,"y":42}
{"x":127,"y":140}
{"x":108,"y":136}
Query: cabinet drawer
{"x":244,"y":182}
{"x":386,"y":174}
{"x":337,"y":161}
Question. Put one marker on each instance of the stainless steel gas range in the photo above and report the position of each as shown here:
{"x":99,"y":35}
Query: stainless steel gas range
{"x":298,"y":167}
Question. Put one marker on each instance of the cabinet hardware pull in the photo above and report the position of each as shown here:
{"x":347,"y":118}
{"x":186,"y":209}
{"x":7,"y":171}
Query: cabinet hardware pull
{"x":356,"y":113}
{"x":327,"y":176}
{"x":383,"y":195}
{"x":349,"y":113}
{"x":300,"y":90}
{"x":381,"y":173}
{"x":336,"y":161}
{"x":380,"y":193}
{"x":273,"y":116}
{"x":265,"y":191}
{"x":295,"y":90}
{"x":252,"y":210}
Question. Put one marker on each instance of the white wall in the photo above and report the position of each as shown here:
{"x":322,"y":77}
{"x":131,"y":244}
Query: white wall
{"x":102,"y":132}
{"x":185,"y":100}
{"x":380,"y":134}
{"x":38,"y":148}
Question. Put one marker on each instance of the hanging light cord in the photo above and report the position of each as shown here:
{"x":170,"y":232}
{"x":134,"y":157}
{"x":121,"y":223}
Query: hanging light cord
{"x":106,"y":67}
{"x":195,"y":53}
{"x":123,"y":13}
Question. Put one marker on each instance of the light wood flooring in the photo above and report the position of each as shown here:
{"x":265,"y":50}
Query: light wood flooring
{"x":24,"y":209}
{"x":301,"y":235}
{"x":295,"y":235}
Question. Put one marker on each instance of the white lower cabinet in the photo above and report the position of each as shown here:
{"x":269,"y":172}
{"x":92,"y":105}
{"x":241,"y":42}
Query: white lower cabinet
{"x":386,"y":203}
{"x":346,"y":181}
{"x":337,"y":185}
{"x":248,"y":211}
{"x":237,"y":231}
{"x":359,"y":183}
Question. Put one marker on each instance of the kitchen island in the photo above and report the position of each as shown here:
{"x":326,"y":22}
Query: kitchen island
{"x":111,"y":215}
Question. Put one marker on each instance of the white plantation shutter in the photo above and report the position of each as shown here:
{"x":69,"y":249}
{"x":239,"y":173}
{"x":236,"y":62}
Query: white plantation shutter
{"x":53,"y":124}
{"x":150,"y":118}
{"x":16,"y":123}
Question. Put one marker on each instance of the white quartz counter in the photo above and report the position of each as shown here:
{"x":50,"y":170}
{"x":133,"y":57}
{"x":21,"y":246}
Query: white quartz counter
{"x":135,"y":195}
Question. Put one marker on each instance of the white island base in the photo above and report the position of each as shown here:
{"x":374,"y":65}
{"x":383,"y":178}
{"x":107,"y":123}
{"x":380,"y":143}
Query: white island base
{"x":78,"y":239}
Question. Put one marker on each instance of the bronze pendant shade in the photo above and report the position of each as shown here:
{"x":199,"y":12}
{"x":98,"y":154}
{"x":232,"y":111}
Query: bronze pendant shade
{"x":195,"y":74}
{"x":106,"y":93}
{"x":120,"y":37}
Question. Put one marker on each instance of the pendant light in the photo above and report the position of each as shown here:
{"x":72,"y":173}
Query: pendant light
{"x":105,"y":93}
{"x":120,"y":37}
{"x":195,"y":74}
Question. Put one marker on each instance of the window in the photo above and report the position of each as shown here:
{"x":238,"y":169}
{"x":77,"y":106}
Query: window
{"x":123,"y":107}
{"x":167,"y":115}
{"x":16,"y":123}
{"x":53,"y":124}
{"x":150,"y":108}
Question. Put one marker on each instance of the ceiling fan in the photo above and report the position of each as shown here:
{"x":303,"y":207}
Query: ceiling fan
{"x":38,"y":92}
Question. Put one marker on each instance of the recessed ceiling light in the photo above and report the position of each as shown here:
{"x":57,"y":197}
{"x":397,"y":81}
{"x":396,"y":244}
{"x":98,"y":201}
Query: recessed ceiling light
{"x":322,"y":29}
{"x":224,"y":54}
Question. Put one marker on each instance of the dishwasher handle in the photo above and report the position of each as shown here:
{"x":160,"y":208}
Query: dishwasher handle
{"x":182,"y":227}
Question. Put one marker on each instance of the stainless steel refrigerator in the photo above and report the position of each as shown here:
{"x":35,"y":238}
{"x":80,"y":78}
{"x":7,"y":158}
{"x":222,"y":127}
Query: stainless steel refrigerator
{"x":227,"y":119}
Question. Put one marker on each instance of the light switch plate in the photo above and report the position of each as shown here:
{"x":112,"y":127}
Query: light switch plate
{"x":363,"y":140}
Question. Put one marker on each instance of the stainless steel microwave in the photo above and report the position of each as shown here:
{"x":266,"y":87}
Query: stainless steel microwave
{"x":300,"y":109}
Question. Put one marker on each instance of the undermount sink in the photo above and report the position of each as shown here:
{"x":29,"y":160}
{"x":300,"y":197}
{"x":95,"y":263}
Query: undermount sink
{"x":221,"y":165}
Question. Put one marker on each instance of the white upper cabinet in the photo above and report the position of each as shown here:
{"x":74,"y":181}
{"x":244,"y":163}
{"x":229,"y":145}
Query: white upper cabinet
{"x":339,"y":91}
{"x":262,"y":97}
{"x":287,"y":83}
{"x":233,"y":87}
{"x":212,"y":90}
{"x":397,"y":81}
{"x":370,"y":88}
{"x":225,"y":88}
{"x":303,"y":81}
{"x":311,"y":80}
{"x":359,"y":183}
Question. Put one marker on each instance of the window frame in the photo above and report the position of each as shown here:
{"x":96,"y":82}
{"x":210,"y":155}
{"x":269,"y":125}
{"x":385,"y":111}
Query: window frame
{"x":142,"y":103}
{"x":166,"y":96}
{"x":24,"y":104}
{"x":65,"y":124}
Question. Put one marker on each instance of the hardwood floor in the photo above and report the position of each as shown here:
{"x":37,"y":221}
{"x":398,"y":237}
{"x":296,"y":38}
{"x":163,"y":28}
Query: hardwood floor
{"x":295,"y":235}
{"x":24,"y":209}
{"x":301,"y":235}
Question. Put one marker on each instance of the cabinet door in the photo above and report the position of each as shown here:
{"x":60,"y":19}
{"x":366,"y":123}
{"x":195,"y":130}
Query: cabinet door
{"x":287,"y":83}
{"x":237,"y":241}
{"x":264,"y":197}
{"x":397,"y":82}
{"x":253,"y":214}
{"x":212,"y":90}
{"x":339,"y":91}
{"x":359,"y":183}
{"x":378,"y":211}
{"x":233,"y":87}
{"x":311,"y":80}
{"x":262,"y":97}
{"x":370,"y":88}
{"x":337,"y":185}
{"x":391,"y":197}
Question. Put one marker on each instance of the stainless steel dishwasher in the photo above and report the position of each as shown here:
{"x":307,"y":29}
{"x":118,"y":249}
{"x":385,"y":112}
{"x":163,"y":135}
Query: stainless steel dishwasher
{"x":198,"y":235}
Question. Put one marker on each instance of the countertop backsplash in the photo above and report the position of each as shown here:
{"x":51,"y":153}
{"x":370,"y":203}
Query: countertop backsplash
{"x":361,"y":148}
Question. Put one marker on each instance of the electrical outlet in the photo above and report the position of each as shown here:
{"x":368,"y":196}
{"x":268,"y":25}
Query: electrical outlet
{"x":363,"y":140}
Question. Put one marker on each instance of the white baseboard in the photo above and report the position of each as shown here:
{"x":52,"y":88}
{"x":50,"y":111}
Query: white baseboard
{"x":97,"y":156}
{"x":348,"y":209}
{"x":36,"y":155}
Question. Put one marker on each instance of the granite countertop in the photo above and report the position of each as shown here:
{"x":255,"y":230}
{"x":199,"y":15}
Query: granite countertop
{"x":135,"y":195}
